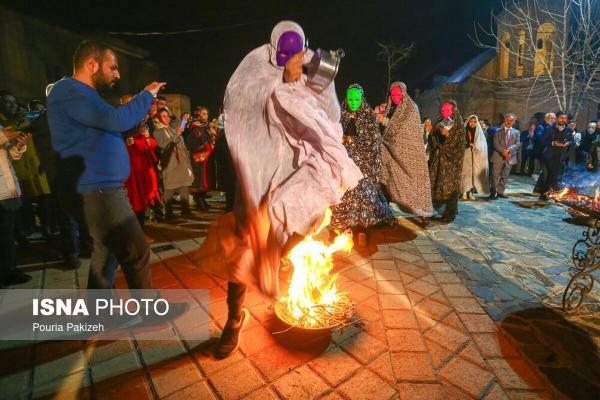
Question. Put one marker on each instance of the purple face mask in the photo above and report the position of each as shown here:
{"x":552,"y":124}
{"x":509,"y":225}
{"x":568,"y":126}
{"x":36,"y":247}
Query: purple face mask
{"x":289,"y":43}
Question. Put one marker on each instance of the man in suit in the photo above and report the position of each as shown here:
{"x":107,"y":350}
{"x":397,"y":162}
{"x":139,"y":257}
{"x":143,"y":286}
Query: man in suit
{"x":527,"y":153}
{"x":506,"y":144}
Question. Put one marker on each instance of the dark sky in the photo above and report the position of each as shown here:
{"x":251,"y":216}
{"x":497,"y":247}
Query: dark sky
{"x":200,"y":64}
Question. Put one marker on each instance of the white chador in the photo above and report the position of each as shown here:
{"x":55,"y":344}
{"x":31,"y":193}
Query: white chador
{"x":285,"y":140}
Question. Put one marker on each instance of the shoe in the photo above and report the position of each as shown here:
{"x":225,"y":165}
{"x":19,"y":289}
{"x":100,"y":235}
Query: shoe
{"x":470,"y":196}
{"x":463,"y":196}
{"x":493,"y":196}
{"x":72,"y":262}
{"x":502,"y":196}
{"x":230,"y":338}
{"x":201,"y":205}
{"x":23,"y":242}
{"x":16,"y":277}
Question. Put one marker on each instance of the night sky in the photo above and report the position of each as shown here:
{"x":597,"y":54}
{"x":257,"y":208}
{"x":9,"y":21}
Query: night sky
{"x":200,"y":64}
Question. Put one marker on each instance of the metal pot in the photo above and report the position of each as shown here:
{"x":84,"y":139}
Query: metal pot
{"x":323,"y":67}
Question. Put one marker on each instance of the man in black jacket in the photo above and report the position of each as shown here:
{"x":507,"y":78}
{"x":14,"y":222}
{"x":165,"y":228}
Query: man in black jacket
{"x":555,"y":141}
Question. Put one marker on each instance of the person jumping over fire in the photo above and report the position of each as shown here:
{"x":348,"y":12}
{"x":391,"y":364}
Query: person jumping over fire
{"x":285,"y":140}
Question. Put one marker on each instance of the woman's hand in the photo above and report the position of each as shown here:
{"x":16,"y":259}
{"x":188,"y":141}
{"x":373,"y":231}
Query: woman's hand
{"x":22,"y":140}
{"x":293,"y":68}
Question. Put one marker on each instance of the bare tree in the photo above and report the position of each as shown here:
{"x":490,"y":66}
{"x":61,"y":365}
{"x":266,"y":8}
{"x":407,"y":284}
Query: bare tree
{"x":548,"y":49}
{"x":392,"y":55}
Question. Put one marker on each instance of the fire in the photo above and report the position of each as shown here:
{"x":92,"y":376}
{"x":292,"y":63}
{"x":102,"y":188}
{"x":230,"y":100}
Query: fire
{"x":571,"y":198}
{"x":313,"y":300}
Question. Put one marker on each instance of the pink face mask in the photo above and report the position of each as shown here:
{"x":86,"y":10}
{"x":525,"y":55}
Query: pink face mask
{"x":446,"y":110}
{"x":396,"y":95}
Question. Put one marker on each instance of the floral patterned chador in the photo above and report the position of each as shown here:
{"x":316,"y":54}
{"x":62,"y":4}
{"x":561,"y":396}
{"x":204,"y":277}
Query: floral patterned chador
{"x":364,"y":205}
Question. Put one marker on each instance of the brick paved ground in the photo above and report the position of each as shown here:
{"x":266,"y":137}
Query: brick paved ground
{"x":422,"y":335}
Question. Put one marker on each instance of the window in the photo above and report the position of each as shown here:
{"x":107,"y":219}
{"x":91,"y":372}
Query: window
{"x":521,"y":54}
{"x":504,"y":57}
{"x":544,"y":57}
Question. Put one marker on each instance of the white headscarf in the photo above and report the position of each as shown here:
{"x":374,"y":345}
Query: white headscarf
{"x":280,"y":29}
{"x":475,"y":162}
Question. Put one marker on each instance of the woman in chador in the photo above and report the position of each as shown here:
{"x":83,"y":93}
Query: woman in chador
{"x":364,"y":205}
{"x":404,"y":172}
{"x":447,"y":152}
{"x":285,"y":140}
{"x":475,"y":164}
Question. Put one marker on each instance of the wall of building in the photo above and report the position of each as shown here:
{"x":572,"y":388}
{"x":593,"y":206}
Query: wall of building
{"x":35,"y":53}
{"x":178,"y":103}
{"x":485,"y":99}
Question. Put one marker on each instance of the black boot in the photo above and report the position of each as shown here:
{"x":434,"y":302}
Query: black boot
{"x":201,"y":203}
{"x":237,"y":317}
{"x":16,"y":277}
{"x":185,"y":209}
{"x":169,"y":210}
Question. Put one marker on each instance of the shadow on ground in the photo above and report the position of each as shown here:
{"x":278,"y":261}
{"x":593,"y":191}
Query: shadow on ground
{"x":562,"y":351}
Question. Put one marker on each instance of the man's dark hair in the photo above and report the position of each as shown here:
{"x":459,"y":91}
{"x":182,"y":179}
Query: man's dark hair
{"x":87,"y":49}
{"x":559,"y":113}
{"x":200,"y":109}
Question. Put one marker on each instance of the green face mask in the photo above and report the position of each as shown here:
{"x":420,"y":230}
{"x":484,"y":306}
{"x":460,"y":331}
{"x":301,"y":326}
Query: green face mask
{"x":354,"y":99}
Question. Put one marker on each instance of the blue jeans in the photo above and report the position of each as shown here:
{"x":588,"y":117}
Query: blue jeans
{"x":118,"y":239}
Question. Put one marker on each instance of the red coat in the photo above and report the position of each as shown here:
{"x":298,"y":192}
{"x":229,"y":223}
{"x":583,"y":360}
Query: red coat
{"x":142,"y":184}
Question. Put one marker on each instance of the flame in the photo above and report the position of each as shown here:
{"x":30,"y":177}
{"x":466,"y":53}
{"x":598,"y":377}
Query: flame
{"x":571,"y":198}
{"x":312,"y":286}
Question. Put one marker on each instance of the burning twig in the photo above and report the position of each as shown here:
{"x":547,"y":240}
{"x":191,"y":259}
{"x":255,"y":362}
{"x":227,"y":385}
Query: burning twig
{"x":312,"y":301}
{"x":583,"y":204}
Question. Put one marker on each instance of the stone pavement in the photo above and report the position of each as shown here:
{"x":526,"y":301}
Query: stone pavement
{"x":514,"y":255}
{"x":421,"y":334}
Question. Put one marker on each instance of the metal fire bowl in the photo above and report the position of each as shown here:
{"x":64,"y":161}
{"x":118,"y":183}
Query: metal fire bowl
{"x":279,"y":313}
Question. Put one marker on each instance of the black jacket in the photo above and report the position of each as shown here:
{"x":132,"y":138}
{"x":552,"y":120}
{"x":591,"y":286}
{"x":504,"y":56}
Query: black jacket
{"x":553,"y":134}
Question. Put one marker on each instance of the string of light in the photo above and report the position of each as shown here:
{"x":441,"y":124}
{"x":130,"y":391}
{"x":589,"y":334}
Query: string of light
{"x":185,"y":31}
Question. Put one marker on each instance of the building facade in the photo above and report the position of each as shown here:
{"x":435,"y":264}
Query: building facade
{"x":498,"y":81}
{"x":35,"y":54}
